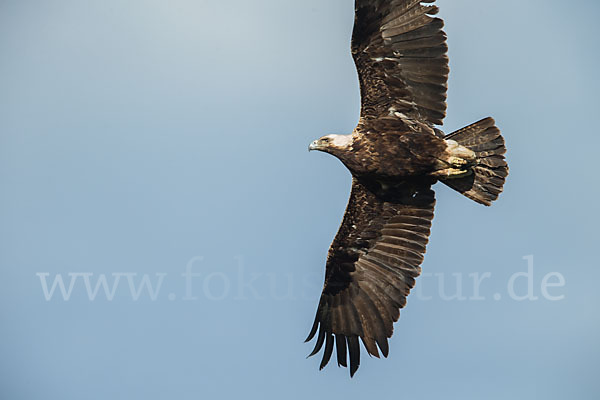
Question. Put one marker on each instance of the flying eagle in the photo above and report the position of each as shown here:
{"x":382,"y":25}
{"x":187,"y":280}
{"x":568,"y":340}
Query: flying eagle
{"x":395,"y":155}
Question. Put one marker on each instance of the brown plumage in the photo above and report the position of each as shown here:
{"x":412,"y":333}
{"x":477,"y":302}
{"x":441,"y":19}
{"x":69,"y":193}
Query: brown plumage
{"x":395,"y":155}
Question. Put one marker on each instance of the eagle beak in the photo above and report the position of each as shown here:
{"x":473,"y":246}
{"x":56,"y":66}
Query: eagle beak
{"x":314,"y":146}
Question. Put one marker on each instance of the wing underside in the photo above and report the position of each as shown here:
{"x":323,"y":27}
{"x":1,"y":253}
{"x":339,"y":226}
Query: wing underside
{"x":400,"y":53}
{"x":371,"y":267}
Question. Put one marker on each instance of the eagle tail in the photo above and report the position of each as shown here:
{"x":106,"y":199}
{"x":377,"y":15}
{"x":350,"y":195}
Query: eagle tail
{"x":490,"y":169}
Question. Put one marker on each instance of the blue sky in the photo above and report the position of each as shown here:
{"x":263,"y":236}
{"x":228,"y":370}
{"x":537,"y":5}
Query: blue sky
{"x":153,"y":139}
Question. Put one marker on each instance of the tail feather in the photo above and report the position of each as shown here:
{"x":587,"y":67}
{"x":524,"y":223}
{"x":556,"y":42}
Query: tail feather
{"x":486,"y":182}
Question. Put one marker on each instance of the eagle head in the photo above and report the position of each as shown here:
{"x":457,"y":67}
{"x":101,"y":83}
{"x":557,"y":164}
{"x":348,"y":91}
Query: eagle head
{"x":332,"y":143}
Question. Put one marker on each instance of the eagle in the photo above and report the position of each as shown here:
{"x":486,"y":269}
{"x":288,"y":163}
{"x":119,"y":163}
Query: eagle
{"x":395,"y":154}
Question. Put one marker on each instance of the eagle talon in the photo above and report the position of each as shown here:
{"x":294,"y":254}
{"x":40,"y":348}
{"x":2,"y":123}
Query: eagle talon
{"x":457,"y":161}
{"x":451,"y":173}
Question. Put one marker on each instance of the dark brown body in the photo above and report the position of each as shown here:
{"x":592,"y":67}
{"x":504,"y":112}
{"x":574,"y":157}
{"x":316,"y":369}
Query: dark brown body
{"x":394,"y":155}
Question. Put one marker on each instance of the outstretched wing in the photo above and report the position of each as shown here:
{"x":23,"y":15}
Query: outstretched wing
{"x":371,"y":267}
{"x":400,"y":54}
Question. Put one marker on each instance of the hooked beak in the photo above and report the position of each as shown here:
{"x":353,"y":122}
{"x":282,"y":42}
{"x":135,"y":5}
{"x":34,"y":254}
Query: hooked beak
{"x":314,"y":146}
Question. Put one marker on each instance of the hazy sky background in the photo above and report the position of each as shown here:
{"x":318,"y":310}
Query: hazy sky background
{"x":137,"y":136}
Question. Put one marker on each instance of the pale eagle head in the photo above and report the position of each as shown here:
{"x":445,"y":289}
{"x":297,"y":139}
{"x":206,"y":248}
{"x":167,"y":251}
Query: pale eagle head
{"x":332,"y":143}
